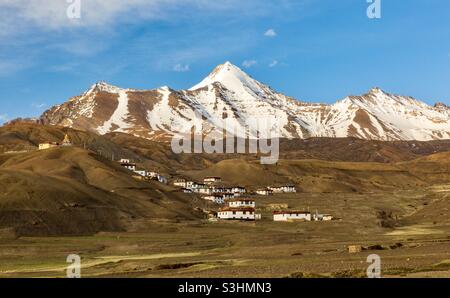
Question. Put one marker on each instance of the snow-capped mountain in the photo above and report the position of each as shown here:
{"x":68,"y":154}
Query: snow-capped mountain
{"x":229,"y":93}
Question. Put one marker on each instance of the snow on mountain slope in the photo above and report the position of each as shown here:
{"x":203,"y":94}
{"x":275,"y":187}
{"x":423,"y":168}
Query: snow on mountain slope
{"x":229,"y":93}
{"x":118,"y":118}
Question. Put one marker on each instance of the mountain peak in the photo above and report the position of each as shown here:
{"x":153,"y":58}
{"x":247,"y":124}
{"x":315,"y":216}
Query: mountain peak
{"x":441,"y":105}
{"x":376,"y":91}
{"x":103,"y":86}
{"x":231,"y":77}
{"x":229,"y":93}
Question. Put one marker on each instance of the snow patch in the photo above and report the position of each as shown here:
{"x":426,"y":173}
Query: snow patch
{"x":119,"y":116}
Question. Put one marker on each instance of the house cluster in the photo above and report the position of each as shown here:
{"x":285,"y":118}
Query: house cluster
{"x":48,"y":145}
{"x":276,"y":190}
{"x":142,"y":174}
{"x":211,"y":189}
{"x":293,"y":215}
{"x":239,"y":209}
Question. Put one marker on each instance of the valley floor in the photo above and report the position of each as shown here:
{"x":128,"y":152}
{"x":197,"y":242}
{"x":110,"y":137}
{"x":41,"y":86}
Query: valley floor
{"x":417,"y":244}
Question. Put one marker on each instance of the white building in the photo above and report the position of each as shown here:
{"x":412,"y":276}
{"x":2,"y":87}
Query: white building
{"x":289,"y":189}
{"x":127,"y":164}
{"x":49,"y":145}
{"x":230,"y":213}
{"x":212,"y":180}
{"x":276,"y":189}
{"x":203,"y":189}
{"x":292,"y":216}
{"x":239,"y":209}
{"x":142,"y":173}
{"x":216,"y":198}
{"x":322,"y":217}
{"x":221,"y":189}
{"x":191,"y":184}
{"x":238,"y":190}
{"x":242,"y":203}
{"x":162,"y":179}
{"x":152,"y":174}
{"x":180,"y":183}
{"x":264,"y":192}
{"x":228,"y":196}
{"x":283,"y":189}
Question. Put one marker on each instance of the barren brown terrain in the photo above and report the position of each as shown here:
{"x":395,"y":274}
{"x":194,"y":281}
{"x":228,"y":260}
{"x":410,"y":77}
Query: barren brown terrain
{"x":392,"y":198}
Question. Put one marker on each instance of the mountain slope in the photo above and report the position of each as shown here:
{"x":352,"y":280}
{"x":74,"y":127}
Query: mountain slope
{"x":71,"y":191}
{"x":229,"y":93}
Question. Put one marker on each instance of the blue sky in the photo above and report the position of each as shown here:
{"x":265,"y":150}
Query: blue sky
{"x":313,"y":50}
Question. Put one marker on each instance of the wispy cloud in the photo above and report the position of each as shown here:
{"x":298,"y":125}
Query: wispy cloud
{"x":273,"y":63}
{"x":270,"y":33}
{"x":181,"y":68}
{"x":62,"y":67}
{"x":84,"y":46}
{"x":19,"y":15}
{"x":9,"y":67}
{"x":249,"y":63}
{"x":38,"y":106}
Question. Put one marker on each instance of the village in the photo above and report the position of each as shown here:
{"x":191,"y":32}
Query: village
{"x":234,"y":203}
{"x":237,"y":204}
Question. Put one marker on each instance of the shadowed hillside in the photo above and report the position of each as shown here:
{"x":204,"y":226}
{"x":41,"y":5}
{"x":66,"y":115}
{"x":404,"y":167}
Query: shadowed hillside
{"x":74,"y":191}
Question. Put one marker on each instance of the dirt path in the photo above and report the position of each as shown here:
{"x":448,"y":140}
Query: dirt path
{"x":101,"y":261}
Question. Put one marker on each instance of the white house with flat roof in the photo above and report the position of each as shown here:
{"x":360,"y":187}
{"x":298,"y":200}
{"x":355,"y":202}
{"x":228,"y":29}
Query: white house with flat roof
{"x":230,"y":213}
{"x":238,"y":190}
{"x":212,"y":180}
{"x":239,"y":209}
{"x":283,"y":189}
{"x":289,"y":189}
{"x":215,"y":198}
{"x":127,"y":164}
{"x":142,"y":173}
{"x":322,"y":217}
{"x":292,"y":215}
{"x":180,"y":183}
{"x":264,"y":192}
{"x":191,"y":184}
{"x":228,"y":196}
{"x":152,"y":174}
{"x":241,"y":203}
{"x":203,"y":189}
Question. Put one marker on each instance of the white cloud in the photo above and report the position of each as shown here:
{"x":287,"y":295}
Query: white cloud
{"x":68,"y":67}
{"x":3,"y":118}
{"x":249,"y":63}
{"x":181,"y":68}
{"x":38,"y":106}
{"x":273,"y":63}
{"x":270,"y":33}
{"x":19,"y":15}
